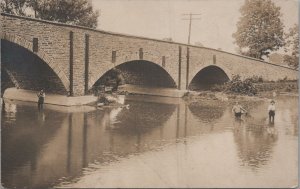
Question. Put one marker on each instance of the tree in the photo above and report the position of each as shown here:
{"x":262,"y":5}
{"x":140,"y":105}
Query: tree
{"x":17,"y":7}
{"x":259,"y":30}
{"x":292,"y":46}
{"x":77,"y":12}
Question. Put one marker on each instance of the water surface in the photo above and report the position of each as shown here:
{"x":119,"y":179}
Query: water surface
{"x":157,"y":142}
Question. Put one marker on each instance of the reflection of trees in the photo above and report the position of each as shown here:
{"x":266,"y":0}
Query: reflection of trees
{"x":143,"y":116}
{"x":207,"y":112}
{"x":254,"y":144}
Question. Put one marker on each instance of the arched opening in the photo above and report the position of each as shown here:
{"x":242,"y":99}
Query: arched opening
{"x":21,"y":67}
{"x":138,"y":72}
{"x":208,"y":77}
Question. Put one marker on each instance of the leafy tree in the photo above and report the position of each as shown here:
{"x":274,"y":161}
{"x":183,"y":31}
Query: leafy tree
{"x":17,"y":7}
{"x":77,"y":12}
{"x":292,"y":45}
{"x":259,"y":29}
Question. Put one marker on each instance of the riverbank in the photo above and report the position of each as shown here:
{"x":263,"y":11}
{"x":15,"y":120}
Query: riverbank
{"x":245,"y":90}
{"x":211,"y":98}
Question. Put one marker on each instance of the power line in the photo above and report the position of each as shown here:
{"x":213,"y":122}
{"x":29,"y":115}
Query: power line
{"x":190,"y":25}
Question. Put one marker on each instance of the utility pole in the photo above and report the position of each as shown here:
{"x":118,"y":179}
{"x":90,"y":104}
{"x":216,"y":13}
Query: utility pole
{"x":190,"y":25}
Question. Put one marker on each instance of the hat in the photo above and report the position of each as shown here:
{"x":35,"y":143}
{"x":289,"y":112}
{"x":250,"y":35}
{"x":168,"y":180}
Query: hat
{"x":272,"y":101}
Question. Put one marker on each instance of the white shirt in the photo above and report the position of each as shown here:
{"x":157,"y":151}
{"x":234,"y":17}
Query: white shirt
{"x":237,"y":109}
{"x":271,"y":107}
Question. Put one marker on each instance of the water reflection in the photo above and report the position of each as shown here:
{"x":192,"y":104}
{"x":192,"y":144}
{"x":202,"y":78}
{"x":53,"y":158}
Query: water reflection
{"x":23,"y":142}
{"x":254,"y":143}
{"x":9,"y":111}
{"x":208,"y":112}
{"x":43,"y":149}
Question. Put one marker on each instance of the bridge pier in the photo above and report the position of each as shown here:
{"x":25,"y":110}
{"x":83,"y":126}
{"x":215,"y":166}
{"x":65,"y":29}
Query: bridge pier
{"x":79,"y":64}
{"x":71,"y":73}
{"x":183,"y":68}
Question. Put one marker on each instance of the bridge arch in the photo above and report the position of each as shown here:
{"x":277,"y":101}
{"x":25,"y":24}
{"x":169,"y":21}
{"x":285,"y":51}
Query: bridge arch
{"x":26,"y":44}
{"x":28,"y":70}
{"x":207,"y":76}
{"x":139,"y":72}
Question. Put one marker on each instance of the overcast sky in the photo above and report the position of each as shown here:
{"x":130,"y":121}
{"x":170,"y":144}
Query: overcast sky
{"x":163,"y":19}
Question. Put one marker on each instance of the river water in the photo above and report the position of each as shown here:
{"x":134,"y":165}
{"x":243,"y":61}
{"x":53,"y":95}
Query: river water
{"x":155,"y":142}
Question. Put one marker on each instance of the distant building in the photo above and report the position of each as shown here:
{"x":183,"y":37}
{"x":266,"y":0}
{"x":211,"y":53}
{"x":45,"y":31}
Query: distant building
{"x":168,"y":39}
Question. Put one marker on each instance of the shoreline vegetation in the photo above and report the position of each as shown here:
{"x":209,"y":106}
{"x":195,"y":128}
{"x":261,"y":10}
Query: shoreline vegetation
{"x":248,"y":92}
{"x":253,"y":89}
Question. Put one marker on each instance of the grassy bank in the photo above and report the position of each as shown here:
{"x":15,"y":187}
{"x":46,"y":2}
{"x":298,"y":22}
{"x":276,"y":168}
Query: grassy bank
{"x":249,"y":92}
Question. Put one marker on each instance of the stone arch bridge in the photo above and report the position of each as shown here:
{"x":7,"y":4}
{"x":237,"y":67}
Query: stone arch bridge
{"x":71,"y":59}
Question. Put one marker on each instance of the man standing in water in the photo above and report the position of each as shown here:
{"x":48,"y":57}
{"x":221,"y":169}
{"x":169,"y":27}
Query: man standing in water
{"x":238,"y":110}
{"x":41,"y":95}
{"x":271,"y":110}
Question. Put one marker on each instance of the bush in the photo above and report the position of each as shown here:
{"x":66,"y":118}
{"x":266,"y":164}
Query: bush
{"x":282,"y":80}
{"x":218,"y":87}
{"x":256,"y":79}
{"x":239,"y":86}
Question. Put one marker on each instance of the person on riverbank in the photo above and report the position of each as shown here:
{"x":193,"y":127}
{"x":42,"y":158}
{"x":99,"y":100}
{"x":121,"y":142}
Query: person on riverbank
{"x":41,"y":95}
{"x":238,"y":110}
{"x":271,"y":110}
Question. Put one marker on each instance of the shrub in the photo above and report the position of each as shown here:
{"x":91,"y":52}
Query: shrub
{"x":256,"y":79}
{"x":283,"y":80}
{"x":239,"y":86}
{"x":219,"y":87}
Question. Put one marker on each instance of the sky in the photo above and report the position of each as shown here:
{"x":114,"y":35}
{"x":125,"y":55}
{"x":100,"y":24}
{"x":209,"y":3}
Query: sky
{"x":160,"y":19}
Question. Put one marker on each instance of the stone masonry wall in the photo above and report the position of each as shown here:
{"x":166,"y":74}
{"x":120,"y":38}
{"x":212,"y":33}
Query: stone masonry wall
{"x":54,"y":49}
{"x":234,"y":65}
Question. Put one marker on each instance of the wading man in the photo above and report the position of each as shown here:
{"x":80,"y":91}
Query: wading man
{"x":271,"y":110}
{"x":238,"y":110}
{"x":41,"y":95}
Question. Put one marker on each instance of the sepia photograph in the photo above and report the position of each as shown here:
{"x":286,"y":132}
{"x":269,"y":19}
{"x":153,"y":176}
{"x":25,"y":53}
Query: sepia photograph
{"x":149,"y":93}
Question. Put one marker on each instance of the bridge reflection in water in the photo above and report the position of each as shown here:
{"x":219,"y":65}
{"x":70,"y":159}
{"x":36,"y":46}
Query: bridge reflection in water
{"x":48,"y":148}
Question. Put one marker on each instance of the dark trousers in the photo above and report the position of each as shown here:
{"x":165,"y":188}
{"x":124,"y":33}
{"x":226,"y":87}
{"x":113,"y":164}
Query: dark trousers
{"x":238,"y":115}
{"x":271,"y":115}
{"x":40,"y":103}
